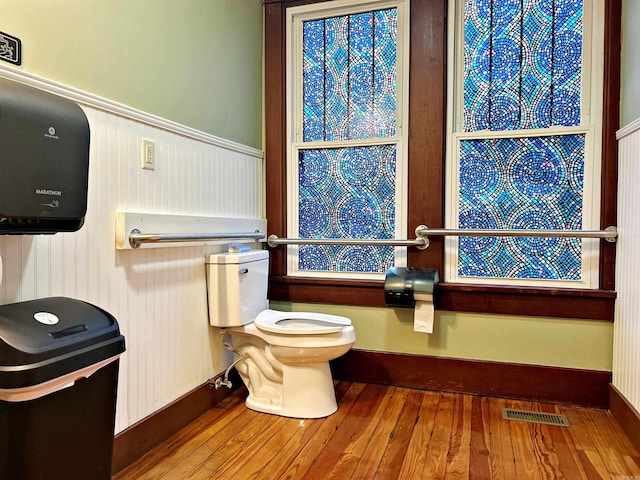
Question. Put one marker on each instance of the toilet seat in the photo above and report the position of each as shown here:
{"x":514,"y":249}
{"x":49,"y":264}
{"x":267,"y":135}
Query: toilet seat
{"x":300,"y":323}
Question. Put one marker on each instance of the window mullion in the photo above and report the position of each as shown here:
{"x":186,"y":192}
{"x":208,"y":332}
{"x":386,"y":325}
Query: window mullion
{"x":538,"y":132}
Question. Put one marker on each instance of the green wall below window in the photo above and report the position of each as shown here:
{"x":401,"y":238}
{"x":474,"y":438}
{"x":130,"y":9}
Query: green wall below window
{"x":195,"y":62}
{"x":584,"y":344}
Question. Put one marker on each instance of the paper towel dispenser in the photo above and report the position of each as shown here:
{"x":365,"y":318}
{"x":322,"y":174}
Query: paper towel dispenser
{"x":44,"y":161}
{"x":403,"y":284}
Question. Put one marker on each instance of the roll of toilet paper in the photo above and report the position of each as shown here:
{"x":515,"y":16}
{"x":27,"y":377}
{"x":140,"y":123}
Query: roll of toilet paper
{"x":423,"y":314}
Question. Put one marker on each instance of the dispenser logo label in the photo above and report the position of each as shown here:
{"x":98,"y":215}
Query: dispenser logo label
{"x":44,"y":191}
{"x":10,"y":49}
{"x":46,"y":318}
{"x":51,"y":133}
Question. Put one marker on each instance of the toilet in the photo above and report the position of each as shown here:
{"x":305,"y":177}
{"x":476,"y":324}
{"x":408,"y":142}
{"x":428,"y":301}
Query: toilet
{"x":284,"y":355}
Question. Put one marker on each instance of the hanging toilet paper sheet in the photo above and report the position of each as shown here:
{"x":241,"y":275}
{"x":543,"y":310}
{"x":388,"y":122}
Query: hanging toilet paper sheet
{"x":423,"y":313}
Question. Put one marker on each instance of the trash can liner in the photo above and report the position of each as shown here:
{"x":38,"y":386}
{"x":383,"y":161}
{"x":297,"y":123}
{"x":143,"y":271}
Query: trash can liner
{"x":44,"y":339}
{"x":22,"y":394}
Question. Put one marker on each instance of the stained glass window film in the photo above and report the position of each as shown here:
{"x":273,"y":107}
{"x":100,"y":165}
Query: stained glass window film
{"x":522,"y":71}
{"x":522,"y":64}
{"x":521,"y":183}
{"x":347,"y":193}
{"x":349,"y":92}
{"x":349,"y":76}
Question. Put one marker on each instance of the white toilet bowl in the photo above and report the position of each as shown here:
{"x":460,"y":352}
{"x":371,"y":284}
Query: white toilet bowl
{"x":285,"y":355}
{"x":287,"y":373}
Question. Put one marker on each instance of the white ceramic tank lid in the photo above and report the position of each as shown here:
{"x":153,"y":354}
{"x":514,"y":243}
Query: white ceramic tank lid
{"x":236,"y":257}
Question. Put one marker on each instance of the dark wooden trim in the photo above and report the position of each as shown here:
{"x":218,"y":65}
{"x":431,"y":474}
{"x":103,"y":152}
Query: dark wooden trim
{"x":427,"y":127}
{"x":626,"y":416}
{"x":275,"y":130}
{"x":138,"y":439}
{"x":543,"y":302}
{"x":340,"y":292}
{"x":533,"y":301}
{"x":610,"y":124}
{"x":586,"y":388}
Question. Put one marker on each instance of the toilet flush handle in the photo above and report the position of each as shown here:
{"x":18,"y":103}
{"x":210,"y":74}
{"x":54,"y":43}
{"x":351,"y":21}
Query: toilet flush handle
{"x":244,"y":271}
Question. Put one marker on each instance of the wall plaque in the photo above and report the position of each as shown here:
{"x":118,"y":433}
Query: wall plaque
{"x":10,"y":49}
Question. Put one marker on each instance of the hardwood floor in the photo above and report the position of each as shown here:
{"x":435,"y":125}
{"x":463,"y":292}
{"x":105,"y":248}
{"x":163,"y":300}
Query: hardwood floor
{"x":393,"y":433}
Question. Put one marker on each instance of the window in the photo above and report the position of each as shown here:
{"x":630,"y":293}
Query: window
{"x":427,"y":186}
{"x":524,"y":153}
{"x":346,"y":167}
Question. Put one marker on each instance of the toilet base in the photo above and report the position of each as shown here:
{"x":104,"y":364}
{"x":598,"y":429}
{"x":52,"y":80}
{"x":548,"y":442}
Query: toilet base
{"x":307,"y":392}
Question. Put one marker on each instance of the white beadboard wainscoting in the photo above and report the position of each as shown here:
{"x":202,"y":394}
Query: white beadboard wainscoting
{"x":157,"y":295}
{"x":626,"y":346}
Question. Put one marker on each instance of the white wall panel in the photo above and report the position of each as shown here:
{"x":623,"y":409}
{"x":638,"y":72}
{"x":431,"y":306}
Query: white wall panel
{"x":626,"y":347}
{"x":157,"y":295}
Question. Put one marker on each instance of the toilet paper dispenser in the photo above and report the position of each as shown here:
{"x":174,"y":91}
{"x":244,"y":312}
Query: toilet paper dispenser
{"x":404,"y":285}
{"x":44,"y":161}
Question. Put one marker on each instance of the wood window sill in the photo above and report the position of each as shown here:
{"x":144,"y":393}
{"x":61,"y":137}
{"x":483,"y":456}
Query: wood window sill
{"x":504,"y":300}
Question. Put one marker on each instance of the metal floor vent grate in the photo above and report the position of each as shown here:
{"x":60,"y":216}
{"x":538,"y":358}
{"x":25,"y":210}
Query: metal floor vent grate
{"x":535,"y":417}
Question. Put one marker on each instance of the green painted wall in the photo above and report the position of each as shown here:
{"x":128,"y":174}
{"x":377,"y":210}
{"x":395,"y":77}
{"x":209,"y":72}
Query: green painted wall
{"x":195,"y":62}
{"x":569,"y":343}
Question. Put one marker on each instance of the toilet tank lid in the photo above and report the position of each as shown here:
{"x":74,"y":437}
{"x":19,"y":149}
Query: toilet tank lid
{"x":236,"y":257}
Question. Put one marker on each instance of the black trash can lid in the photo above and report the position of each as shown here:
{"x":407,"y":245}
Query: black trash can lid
{"x":49,"y":337}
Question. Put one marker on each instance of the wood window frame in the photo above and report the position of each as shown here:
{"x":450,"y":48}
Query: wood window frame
{"x":426,"y":179}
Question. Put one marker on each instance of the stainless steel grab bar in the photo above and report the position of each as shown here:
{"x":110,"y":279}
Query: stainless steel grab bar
{"x":610,"y":234}
{"x":421,"y":242}
{"x":422,"y":236}
{"x":136,"y":238}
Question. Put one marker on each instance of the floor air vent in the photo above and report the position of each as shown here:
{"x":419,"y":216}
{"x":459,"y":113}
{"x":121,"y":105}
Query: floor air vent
{"x":535,"y":417}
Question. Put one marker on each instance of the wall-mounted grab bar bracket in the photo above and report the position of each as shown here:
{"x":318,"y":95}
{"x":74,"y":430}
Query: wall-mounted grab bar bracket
{"x":422,"y":236}
{"x":132,"y":238}
{"x":613,"y":238}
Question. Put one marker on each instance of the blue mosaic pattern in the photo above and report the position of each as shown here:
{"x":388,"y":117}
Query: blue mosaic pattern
{"x":522,"y":64}
{"x":349,"y":76}
{"x":521,"y":183}
{"x":349,"y":93}
{"x":347,"y":193}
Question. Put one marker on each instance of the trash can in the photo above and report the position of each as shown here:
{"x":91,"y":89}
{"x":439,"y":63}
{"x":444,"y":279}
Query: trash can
{"x":59,"y":362}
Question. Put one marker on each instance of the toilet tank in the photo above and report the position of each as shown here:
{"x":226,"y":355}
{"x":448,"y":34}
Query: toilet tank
{"x":236,"y":286}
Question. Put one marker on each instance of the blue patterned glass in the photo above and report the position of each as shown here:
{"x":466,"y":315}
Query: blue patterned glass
{"x":349,"y":76}
{"x":521,"y":183}
{"x":522,"y":64}
{"x":522,"y":70}
{"x":347,"y":193}
{"x":349,"y":93}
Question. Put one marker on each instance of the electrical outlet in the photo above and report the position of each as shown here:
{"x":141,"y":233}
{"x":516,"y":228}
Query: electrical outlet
{"x":148,"y":159}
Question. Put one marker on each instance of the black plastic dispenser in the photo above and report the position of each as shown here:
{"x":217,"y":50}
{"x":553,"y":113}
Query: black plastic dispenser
{"x":44,"y":161}
{"x":403,"y":284}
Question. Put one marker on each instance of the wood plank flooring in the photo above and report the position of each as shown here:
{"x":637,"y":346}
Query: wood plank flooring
{"x":387,"y":432}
